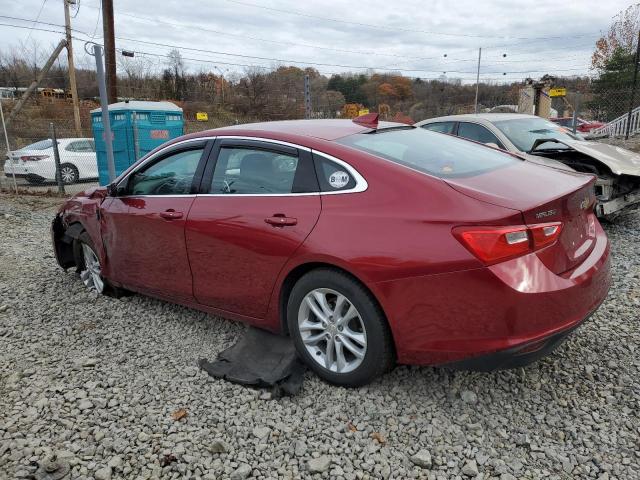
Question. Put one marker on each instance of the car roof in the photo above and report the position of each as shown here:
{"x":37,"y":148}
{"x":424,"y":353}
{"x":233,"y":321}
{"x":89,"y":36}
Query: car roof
{"x":325,"y":129}
{"x":489,"y":117}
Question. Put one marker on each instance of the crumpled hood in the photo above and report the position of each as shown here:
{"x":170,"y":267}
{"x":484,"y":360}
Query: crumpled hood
{"x":547,"y":162}
{"x":620,"y":160}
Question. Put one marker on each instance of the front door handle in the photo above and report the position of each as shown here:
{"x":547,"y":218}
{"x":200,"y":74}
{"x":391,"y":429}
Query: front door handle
{"x":279,"y":220}
{"x":171,"y":214}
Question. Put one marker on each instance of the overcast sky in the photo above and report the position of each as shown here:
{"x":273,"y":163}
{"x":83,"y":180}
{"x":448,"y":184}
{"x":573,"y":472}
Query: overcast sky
{"x":412,"y":37}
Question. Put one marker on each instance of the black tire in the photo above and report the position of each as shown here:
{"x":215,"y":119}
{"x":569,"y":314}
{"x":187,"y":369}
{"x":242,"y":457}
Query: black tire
{"x":69,"y":173}
{"x":108,"y":290}
{"x":379,"y":356}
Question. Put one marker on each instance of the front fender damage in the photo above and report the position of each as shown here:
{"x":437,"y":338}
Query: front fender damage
{"x":62,"y":239}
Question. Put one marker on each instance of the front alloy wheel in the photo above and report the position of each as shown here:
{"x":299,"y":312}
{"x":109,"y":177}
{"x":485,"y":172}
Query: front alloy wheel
{"x":91,"y":275}
{"x":332,"y":330}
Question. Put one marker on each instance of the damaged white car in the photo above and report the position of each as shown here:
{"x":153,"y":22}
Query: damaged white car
{"x":541,"y":141}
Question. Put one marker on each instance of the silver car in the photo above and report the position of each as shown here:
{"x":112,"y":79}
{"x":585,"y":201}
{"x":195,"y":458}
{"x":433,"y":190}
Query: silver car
{"x":540,"y":141}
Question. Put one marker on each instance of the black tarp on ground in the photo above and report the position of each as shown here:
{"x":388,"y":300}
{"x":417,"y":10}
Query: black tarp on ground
{"x":259,"y":359}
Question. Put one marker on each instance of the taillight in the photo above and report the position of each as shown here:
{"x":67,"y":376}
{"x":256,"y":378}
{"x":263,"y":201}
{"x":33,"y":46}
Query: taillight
{"x":497,"y":244}
{"x":33,"y":158}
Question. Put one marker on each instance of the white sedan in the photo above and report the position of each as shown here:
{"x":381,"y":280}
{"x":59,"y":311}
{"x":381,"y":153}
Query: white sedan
{"x":36,"y":162}
{"x":540,"y":141}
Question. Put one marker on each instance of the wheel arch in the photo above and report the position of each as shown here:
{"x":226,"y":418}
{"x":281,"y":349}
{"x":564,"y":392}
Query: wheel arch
{"x":299,"y":271}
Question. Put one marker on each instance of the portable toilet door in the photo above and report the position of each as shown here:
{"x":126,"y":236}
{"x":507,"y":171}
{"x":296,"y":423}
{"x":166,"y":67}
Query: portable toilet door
{"x":137,"y":128}
{"x":154,"y":124}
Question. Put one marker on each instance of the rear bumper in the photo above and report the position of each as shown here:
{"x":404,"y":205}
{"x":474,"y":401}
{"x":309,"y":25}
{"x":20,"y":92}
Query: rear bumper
{"x":504,"y":309}
{"x":515,"y":357}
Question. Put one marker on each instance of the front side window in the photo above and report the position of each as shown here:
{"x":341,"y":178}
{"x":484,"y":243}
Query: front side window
{"x":440,"y":127}
{"x":478,"y":133}
{"x":443,"y":156}
{"x":172,"y":175}
{"x":244,"y":170}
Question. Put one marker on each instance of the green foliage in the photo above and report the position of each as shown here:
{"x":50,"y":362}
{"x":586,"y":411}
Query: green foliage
{"x":350,"y":86}
{"x":612,"y":88}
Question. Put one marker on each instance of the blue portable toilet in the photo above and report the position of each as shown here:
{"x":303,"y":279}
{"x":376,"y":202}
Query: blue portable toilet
{"x":137,"y":127}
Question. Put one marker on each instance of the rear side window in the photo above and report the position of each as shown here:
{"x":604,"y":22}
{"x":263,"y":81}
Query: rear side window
{"x":41,"y":145}
{"x":332,"y":177}
{"x":440,"y":127}
{"x":443,"y":156}
{"x":85,"y":146}
{"x":478,"y":133}
{"x":243,"y":170}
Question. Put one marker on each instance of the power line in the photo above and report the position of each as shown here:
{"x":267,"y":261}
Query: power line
{"x":306,"y":45}
{"x":395,"y":29}
{"x":248,"y":65}
{"x":36,"y":20}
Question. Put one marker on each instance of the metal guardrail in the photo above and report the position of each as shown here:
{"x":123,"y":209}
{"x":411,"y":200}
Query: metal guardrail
{"x":618,"y":126}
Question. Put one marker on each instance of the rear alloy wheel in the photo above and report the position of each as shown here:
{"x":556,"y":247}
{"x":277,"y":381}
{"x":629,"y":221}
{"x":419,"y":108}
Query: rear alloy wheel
{"x":332,"y":330}
{"x":69,"y":174}
{"x":338,"y":328}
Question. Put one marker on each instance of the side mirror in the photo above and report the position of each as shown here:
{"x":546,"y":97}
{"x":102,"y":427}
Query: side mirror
{"x":112,"y":190}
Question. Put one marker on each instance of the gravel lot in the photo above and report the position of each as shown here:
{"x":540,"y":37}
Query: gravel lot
{"x":96,"y":380}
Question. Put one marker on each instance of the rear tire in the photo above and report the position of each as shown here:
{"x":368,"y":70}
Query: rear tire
{"x":69,"y":173}
{"x":339,"y":329}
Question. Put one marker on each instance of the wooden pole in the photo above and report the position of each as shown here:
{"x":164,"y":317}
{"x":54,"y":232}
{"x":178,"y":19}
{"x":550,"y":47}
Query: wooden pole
{"x":36,"y":82}
{"x":109,"y":50}
{"x":72,"y":70}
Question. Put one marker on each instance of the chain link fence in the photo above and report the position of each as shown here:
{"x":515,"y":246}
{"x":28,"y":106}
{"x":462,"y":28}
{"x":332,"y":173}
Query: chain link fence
{"x":30,"y":165}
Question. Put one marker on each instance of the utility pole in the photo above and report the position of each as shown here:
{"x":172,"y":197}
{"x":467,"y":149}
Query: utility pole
{"x":633,"y":89}
{"x":72,"y":69}
{"x":478,"y":78}
{"x":307,"y":98}
{"x":109,"y":50}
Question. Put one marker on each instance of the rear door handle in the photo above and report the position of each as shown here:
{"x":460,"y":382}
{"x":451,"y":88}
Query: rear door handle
{"x":279,"y":220}
{"x":171,"y":214}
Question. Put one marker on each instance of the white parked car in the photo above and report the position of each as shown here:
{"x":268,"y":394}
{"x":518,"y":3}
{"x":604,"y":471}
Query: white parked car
{"x":36,"y":162}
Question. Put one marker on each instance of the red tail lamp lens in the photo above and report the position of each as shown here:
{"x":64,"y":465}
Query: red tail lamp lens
{"x":496,"y":244}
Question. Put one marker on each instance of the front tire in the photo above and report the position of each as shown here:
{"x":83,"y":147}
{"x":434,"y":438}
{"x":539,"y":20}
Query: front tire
{"x":88,"y":263}
{"x":338,"y":328}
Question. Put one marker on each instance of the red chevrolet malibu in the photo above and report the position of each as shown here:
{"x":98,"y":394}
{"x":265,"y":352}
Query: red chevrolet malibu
{"x":369,"y":244}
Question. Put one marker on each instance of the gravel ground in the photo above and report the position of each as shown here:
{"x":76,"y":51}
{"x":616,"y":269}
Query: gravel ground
{"x":100,"y":383}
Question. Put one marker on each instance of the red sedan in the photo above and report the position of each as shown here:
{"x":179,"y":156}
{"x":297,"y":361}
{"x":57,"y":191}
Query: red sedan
{"x":369,"y":244}
{"x":582,"y":126}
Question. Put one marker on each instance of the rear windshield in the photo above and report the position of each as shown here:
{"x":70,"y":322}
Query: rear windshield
{"x":437,"y":154}
{"x":41,"y":145}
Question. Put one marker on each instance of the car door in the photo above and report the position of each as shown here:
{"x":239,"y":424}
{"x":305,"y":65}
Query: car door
{"x":260,"y":201}
{"x":82,"y":154}
{"x":144,"y":224}
{"x":478,"y":133}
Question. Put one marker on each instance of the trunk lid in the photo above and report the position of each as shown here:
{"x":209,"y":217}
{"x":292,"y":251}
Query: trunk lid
{"x":542,"y":195}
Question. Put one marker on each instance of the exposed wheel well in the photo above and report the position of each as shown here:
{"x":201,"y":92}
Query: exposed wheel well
{"x":297,"y":273}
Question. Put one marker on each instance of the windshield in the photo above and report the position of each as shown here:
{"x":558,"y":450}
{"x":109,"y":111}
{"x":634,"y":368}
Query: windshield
{"x":434,"y":153}
{"x":41,"y":145}
{"x":523,"y":132}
